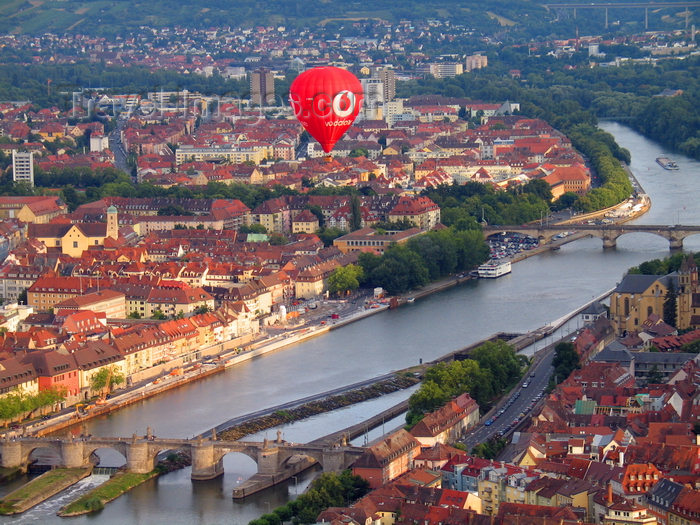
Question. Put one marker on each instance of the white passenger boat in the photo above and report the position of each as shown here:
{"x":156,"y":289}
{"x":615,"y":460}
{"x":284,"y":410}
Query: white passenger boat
{"x":494,"y":268}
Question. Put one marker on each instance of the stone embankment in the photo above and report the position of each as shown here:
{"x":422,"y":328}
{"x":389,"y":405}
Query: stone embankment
{"x":281,"y":417}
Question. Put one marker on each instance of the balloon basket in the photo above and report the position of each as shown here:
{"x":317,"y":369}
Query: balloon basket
{"x":328,"y":158}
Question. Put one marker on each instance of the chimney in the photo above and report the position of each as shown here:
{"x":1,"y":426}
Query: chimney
{"x":622,"y":458}
{"x":610,"y":493}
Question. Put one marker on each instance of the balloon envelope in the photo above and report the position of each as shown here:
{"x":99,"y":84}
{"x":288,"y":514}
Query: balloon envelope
{"x":326,"y":100}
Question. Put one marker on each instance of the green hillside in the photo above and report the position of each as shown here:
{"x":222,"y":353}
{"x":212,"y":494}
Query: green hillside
{"x":110,"y":17}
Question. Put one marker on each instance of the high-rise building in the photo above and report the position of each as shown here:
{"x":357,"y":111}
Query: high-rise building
{"x":262,"y":87}
{"x":373,"y":102}
{"x":23,"y":166}
{"x":476,"y":62}
{"x":388,"y":78}
{"x":442,"y":69}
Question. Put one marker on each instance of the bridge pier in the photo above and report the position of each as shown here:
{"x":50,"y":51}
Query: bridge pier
{"x":334,"y":460}
{"x":269,"y":460}
{"x":11,"y":452}
{"x":205,"y":464}
{"x":138,"y":459}
{"x":72,"y":454}
{"x":675,"y":244}
{"x":609,"y":242}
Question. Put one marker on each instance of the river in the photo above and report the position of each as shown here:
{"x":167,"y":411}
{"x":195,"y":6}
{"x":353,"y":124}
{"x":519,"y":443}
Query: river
{"x":539,"y":290}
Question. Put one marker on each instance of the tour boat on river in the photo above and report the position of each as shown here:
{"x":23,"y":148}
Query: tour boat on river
{"x":494,"y":268}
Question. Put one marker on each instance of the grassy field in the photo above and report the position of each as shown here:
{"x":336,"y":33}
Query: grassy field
{"x":48,"y":483}
{"x":501,"y":19}
{"x":109,"y":490}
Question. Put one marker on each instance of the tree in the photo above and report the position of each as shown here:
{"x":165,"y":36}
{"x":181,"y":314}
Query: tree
{"x":430,"y":396}
{"x":345,"y":279}
{"x":158,"y":314}
{"x":318,"y":212}
{"x":356,"y":221}
{"x":253,"y":228}
{"x":566,"y":360}
{"x":669,"y":308}
{"x":359,"y":152}
{"x":277,"y":239}
{"x":105,"y":379}
{"x":327,"y":235}
{"x":655,"y":376}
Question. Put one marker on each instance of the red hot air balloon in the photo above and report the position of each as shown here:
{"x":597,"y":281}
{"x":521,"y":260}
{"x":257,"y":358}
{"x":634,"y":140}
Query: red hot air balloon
{"x":326,"y":100}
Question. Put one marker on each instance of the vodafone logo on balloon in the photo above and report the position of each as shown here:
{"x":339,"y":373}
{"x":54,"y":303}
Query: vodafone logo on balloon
{"x":326,"y":100}
{"x":344,"y":99}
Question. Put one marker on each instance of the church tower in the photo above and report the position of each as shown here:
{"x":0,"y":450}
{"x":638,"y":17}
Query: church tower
{"x":112,"y":222}
{"x":687,"y":286}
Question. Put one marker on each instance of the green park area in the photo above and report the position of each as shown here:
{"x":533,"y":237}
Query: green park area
{"x":111,"y":489}
{"x":41,"y":488}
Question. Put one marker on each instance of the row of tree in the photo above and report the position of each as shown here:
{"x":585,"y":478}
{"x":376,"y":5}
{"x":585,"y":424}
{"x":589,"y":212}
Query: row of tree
{"x":424,"y":258}
{"x":604,"y":155}
{"x":462,"y":206}
{"x":16,"y":405}
{"x":329,"y":490}
{"x":663,"y":266}
{"x":491,"y":369}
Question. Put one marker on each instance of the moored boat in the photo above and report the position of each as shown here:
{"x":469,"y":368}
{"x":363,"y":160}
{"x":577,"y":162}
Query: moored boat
{"x":494,"y":268}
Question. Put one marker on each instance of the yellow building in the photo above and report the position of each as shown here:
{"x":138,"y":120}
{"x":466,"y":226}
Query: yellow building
{"x":32,"y":210}
{"x":49,"y":290}
{"x":627,"y":513}
{"x":635,"y":299}
{"x":73,"y":239}
{"x":638,"y":296}
{"x":17,"y":377}
{"x":369,"y":240}
{"x":235,"y":154}
{"x":421,"y":211}
{"x":112,"y":303}
{"x":305,"y":222}
{"x":91,"y":359}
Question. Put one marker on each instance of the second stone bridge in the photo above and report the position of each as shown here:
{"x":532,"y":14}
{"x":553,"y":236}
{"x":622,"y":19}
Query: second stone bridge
{"x":141,"y":453}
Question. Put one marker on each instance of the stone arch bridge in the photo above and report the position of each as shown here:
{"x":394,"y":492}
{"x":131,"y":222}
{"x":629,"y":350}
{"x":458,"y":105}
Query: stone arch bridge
{"x":141,"y":452}
{"x":609,"y":233}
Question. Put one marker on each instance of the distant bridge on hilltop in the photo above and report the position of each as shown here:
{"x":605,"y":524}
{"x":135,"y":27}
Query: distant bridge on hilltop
{"x":626,"y":5}
{"x":609,"y":233}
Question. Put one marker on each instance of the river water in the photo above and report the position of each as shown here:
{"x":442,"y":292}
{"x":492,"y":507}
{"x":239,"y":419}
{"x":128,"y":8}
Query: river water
{"x":539,"y":290}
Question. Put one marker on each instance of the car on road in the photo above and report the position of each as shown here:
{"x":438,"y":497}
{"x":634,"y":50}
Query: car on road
{"x":489,"y":422}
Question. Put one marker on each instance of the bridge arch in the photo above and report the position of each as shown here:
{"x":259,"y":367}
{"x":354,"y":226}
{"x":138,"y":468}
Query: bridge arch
{"x":42,"y":453}
{"x":106,"y":456}
{"x":237,"y":465}
{"x":609,"y":236}
{"x":293,"y":459}
{"x":116,"y":449}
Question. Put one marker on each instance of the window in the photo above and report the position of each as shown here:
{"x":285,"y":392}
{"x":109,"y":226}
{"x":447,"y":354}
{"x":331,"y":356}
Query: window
{"x":75,"y":244}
